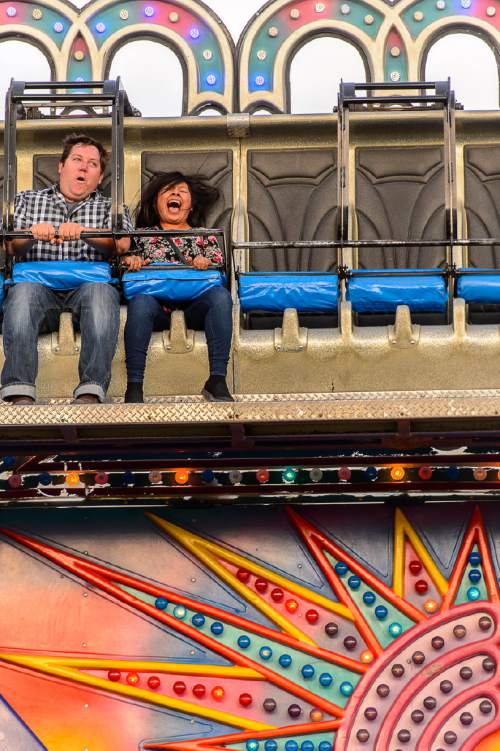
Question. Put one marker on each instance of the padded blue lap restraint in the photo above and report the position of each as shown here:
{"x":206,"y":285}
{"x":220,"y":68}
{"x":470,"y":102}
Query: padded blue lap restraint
{"x":170,"y":284}
{"x":307,"y":291}
{"x":62,"y":276}
{"x":422,"y":292}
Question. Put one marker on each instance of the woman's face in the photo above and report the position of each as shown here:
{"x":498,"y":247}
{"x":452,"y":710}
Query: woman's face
{"x":173,"y":204}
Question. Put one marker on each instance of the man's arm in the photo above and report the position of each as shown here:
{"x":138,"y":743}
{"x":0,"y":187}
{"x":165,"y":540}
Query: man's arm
{"x":40,"y":231}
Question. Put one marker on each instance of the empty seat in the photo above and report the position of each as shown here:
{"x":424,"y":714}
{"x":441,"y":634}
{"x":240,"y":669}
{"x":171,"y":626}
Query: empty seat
{"x":482,"y":202}
{"x":292,"y":195}
{"x":399,"y":195}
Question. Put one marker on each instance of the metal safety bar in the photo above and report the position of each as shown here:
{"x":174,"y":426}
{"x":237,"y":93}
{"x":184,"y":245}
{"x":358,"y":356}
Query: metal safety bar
{"x":430,"y":94}
{"x":265,"y":244}
{"x":6,"y":235}
{"x":347,"y":92}
{"x":20,"y":95}
{"x":442,"y":98}
{"x":26,"y":234}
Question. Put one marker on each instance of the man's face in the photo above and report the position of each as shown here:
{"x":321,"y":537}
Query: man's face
{"x":81,"y":173}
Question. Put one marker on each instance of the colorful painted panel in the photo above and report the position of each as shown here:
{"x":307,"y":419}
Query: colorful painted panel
{"x":331,"y":628}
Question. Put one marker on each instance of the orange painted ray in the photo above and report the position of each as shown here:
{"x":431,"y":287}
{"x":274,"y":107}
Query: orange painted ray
{"x":319,"y":545}
{"x":475,"y":535}
{"x":114,"y":582}
{"x":95,"y":674}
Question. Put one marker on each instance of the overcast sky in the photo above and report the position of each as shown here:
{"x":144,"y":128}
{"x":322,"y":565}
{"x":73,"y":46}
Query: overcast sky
{"x":465,"y":58}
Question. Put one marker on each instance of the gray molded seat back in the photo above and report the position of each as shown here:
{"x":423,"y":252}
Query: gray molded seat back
{"x":400,"y":195}
{"x":482,"y":201}
{"x":292,"y":195}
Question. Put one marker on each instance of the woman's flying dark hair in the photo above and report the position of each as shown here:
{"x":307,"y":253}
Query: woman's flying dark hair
{"x":203,"y":196}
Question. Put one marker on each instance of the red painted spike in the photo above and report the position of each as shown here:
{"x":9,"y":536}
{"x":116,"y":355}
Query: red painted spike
{"x":475,"y":535}
{"x":318,"y":543}
{"x":418,"y":585}
{"x":221,"y":742}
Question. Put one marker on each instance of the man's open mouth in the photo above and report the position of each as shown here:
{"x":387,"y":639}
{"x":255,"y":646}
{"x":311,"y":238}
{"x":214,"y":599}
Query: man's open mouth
{"x":80,"y":179}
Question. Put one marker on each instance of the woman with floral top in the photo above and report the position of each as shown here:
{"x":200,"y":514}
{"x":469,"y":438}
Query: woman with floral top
{"x":173,"y":201}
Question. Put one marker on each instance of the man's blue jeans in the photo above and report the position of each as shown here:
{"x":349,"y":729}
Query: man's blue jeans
{"x":211,"y":311}
{"x":32,"y":309}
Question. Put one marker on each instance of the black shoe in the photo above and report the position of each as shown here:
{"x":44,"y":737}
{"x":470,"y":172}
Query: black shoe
{"x":216,"y":390}
{"x":134,"y":393}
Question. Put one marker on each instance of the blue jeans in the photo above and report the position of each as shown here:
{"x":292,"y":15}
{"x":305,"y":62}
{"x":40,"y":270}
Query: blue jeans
{"x":32,"y":309}
{"x":211,"y":311}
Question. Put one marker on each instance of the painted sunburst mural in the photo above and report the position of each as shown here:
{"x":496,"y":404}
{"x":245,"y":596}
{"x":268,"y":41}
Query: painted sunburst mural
{"x":407,"y":661}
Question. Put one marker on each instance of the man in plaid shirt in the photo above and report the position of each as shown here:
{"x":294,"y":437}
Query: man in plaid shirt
{"x":72,"y":206}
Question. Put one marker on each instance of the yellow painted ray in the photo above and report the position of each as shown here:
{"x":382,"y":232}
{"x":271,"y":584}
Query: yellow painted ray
{"x":403,"y":529}
{"x":71,"y":669}
{"x":209,"y":552}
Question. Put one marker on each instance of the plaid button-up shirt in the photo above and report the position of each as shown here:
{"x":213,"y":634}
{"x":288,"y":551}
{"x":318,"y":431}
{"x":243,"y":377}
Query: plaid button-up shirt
{"x":49,"y":205}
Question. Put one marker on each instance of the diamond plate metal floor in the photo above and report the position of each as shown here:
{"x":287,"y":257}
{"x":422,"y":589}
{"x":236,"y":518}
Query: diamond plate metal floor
{"x":269,"y":408}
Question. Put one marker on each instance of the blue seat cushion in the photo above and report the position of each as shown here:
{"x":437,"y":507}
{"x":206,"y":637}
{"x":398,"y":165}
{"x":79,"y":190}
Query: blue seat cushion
{"x":307,"y":291}
{"x":479,"y":288}
{"x":422,"y":292}
{"x":61,"y":275}
{"x":173,"y":284}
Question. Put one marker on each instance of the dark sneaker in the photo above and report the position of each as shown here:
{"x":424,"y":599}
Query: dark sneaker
{"x":216,"y":390}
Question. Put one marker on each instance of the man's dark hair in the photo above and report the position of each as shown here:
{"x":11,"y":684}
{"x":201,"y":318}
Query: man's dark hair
{"x":203,"y":196}
{"x":80,"y":139}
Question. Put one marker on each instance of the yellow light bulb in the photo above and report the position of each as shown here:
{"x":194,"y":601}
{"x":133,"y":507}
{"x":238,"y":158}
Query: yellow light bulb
{"x":72,"y":479}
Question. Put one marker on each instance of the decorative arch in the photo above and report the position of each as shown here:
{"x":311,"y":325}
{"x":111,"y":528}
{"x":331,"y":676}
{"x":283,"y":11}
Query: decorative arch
{"x":48,"y":50}
{"x":304,"y":41}
{"x":393,"y":39}
{"x":426,"y":21}
{"x":275,"y":33}
{"x":190,"y":28}
{"x":80,"y":42}
{"x":473,"y":26}
{"x":181,"y":51}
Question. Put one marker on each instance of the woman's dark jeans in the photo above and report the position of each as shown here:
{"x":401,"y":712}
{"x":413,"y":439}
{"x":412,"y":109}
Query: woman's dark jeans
{"x":212,"y":312}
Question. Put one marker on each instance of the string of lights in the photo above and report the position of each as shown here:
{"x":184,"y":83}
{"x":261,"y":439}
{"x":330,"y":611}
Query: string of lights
{"x":246,"y":479}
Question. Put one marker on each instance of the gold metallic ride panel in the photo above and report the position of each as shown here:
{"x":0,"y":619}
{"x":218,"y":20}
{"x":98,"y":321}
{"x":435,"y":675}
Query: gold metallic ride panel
{"x":253,"y":167}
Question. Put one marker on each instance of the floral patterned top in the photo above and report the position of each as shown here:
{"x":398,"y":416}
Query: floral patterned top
{"x":159,"y":250}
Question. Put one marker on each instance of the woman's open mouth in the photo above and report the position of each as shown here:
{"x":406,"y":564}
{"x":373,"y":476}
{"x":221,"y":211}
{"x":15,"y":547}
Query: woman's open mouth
{"x":174,"y":203}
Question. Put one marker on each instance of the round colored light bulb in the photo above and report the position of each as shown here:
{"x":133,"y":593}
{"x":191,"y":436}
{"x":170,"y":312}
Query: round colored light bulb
{"x":397,"y":473}
{"x":262,"y":475}
{"x":181,"y":476}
